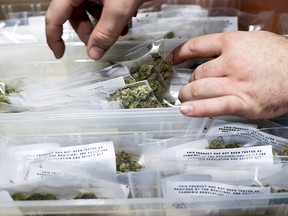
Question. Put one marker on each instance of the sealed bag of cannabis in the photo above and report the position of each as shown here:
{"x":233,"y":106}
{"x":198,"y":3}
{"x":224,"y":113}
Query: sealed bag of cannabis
{"x":9,"y":88}
{"x":215,"y":183}
{"x":30,"y":161}
{"x":147,"y":60}
{"x":142,"y":184}
{"x":265,"y":136}
{"x":129,"y":157}
{"x":66,"y":188}
{"x":144,"y":69}
{"x":193,"y":151}
{"x":136,"y":95}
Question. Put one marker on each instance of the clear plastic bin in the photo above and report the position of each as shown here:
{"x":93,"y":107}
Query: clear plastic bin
{"x":16,"y":8}
{"x":150,"y":207}
{"x":37,"y":61}
{"x":157,"y":121}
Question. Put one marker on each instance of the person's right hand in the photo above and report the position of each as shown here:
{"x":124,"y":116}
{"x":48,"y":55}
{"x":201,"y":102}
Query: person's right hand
{"x":248,"y":77}
{"x":113,"y":17}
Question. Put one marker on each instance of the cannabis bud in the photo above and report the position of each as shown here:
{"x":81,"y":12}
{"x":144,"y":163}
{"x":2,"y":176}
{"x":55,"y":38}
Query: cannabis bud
{"x":169,"y":35}
{"x":6,"y":91}
{"x":147,"y":72}
{"x":216,"y":144}
{"x":284,"y":151}
{"x":163,"y":67}
{"x":138,"y":95}
{"x":32,"y":197}
{"x":125,"y":163}
{"x":85,"y":195}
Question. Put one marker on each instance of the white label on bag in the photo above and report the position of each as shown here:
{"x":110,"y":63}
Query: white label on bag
{"x":96,"y":88}
{"x":220,"y":126}
{"x":42,"y":172}
{"x":249,"y":131}
{"x":186,"y":189}
{"x":197,"y":144}
{"x":277,"y":142}
{"x":88,"y":152}
{"x":251,"y":154}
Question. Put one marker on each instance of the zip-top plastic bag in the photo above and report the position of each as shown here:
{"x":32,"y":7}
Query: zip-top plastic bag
{"x":143,"y":63}
{"x":59,"y":188}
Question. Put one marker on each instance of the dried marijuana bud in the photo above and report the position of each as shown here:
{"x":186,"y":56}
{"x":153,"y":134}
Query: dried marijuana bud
{"x":125,"y":163}
{"x":284,"y":151}
{"x":273,"y":190}
{"x":129,"y":80}
{"x":282,"y":190}
{"x":32,"y":197}
{"x":155,"y":69}
{"x":169,"y":35}
{"x":147,"y":72}
{"x":85,"y":195}
{"x":8,"y":90}
{"x":233,"y":145}
{"x":216,"y":144}
{"x":3,"y":98}
{"x":138,"y":95}
{"x":163,"y":67}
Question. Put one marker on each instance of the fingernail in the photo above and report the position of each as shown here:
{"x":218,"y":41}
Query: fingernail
{"x":186,"y":108}
{"x":57,"y":55}
{"x":96,"y":53}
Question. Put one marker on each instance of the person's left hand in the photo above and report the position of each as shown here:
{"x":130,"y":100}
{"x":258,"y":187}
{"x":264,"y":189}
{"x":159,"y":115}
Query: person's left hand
{"x":112,"y":15}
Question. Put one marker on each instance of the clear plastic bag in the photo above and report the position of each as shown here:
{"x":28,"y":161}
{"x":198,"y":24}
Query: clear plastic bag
{"x":247,"y":21}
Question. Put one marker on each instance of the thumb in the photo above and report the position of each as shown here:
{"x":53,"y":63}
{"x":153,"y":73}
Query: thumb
{"x":113,"y":20}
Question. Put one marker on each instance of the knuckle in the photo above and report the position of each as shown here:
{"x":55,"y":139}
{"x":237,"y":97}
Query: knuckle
{"x":181,"y":95}
{"x":103,"y":39}
{"x":189,"y":92}
{"x":197,"y":74}
{"x":202,"y":71}
{"x":185,"y":93}
{"x":228,"y":37}
{"x":193,"y":46}
{"x":195,"y":90}
{"x":235,"y":63}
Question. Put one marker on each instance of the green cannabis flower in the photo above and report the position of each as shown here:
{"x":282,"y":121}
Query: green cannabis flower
{"x":136,"y":96}
{"x":147,"y":72}
{"x":216,"y":144}
{"x":169,"y":35}
{"x":163,"y":67}
{"x":284,"y":151}
{"x":125,"y":163}
{"x":85,"y":195}
{"x":8,"y":90}
{"x":32,"y":197}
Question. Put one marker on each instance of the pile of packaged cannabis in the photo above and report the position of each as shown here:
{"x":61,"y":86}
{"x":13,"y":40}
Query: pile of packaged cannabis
{"x":139,"y":165}
{"x":202,"y":164}
{"x":138,"y":77}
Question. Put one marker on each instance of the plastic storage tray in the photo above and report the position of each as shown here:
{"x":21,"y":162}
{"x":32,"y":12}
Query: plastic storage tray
{"x":162,"y":124}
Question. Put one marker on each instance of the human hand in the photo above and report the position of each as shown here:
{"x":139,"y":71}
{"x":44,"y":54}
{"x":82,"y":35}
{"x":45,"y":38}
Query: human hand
{"x":113,"y":17}
{"x":248,"y":77}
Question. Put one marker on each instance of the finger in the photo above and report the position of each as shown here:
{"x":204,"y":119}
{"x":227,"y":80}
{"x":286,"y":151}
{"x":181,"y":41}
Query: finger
{"x":82,"y":25}
{"x":113,"y":20}
{"x":212,"y":68}
{"x":226,"y":105}
{"x":207,"y":88}
{"x":203,"y":46}
{"x":57,"y":14}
